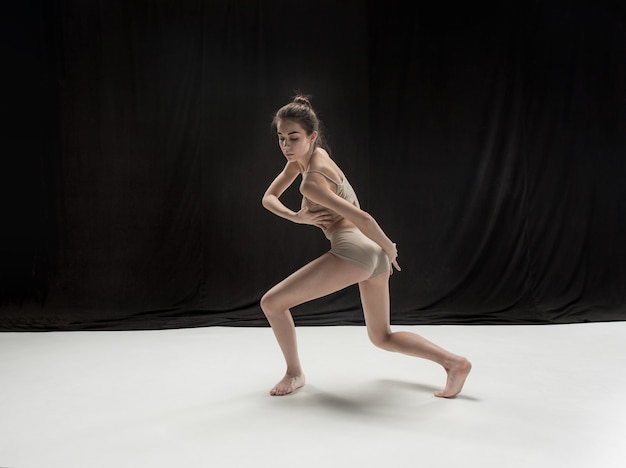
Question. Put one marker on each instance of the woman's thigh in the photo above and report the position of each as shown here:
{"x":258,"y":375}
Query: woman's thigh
{"x":321,"y":277}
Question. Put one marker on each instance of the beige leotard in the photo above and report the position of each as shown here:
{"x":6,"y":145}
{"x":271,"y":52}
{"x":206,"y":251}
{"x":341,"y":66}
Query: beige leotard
{"x":350,"y":244}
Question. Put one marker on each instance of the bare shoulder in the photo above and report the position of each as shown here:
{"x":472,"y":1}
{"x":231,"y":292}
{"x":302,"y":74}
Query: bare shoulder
{"x":322,"y":162}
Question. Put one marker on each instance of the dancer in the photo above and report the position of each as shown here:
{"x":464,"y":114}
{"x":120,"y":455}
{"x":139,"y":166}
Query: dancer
{"x":360,"y":252}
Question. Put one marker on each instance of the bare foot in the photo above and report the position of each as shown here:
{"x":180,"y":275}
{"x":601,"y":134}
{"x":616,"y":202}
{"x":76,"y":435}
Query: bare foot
{"x":457,"y":373}
{"x":287,"y":385}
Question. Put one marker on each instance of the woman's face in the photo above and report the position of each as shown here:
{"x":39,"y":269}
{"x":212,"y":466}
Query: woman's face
{"x":293,"y":140}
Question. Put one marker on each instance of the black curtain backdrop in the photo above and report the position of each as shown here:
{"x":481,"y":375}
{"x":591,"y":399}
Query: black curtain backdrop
{"x":488,"y":142}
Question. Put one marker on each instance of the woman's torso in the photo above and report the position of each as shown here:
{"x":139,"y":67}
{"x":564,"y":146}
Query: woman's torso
{"x":325,"y":166}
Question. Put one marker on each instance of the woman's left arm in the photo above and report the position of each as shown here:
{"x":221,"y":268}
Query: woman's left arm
{"x":320,"y":193}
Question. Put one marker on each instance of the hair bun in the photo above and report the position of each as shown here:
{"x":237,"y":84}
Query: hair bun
{"x":302,"y":99}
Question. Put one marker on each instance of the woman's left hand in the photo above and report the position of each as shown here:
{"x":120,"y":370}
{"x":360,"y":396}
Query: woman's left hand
{"x":393,"y":259}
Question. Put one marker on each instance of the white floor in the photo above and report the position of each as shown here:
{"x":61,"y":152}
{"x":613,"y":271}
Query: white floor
{"x":538,"y":396}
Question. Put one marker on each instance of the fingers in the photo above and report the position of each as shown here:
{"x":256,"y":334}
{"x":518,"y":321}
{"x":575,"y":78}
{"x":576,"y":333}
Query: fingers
{"x":323,"y":214}
{"x":393,"y":260}
{"x":323,"y":219}
{"x":394,"y":264}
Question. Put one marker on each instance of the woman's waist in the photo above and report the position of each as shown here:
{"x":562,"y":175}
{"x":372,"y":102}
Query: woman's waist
{"x":340,"y":224}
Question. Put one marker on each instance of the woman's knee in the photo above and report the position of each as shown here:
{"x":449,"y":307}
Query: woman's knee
{"x":271,"y":303}
{"x":266,"y":302}
{"x":380,"y":339}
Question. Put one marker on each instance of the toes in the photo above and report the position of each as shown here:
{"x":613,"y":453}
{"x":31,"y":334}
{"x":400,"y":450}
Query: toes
{"x":280,"y":391}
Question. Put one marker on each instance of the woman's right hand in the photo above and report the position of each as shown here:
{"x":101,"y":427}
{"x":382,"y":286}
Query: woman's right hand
{"x":322,"y":219}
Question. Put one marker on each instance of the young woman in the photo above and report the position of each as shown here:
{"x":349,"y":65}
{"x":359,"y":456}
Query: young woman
{"x":360,"y":253}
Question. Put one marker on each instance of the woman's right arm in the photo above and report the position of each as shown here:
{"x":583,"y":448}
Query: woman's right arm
{"x":271,"y":196}
{"x":271,"y":201}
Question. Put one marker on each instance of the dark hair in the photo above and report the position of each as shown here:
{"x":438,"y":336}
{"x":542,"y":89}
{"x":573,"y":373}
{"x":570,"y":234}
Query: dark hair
{"x":301,"y":111}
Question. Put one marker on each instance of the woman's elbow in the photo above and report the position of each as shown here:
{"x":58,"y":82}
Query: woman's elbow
{"x":265,"y":201}
{"x":364,"y":220}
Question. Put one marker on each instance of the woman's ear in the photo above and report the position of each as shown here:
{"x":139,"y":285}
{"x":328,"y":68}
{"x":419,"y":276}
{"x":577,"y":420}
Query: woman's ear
{"x":313,"y":136}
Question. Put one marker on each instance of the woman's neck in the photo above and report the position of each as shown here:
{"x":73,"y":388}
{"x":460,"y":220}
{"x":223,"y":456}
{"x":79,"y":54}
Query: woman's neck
{"x":305,"y":164}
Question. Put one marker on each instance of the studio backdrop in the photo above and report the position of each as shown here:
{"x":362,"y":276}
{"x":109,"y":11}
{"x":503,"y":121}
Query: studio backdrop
{"x":489,"y":144}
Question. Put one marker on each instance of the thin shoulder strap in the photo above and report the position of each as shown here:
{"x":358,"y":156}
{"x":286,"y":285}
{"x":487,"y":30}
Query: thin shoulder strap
{"x":320,"y":172}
